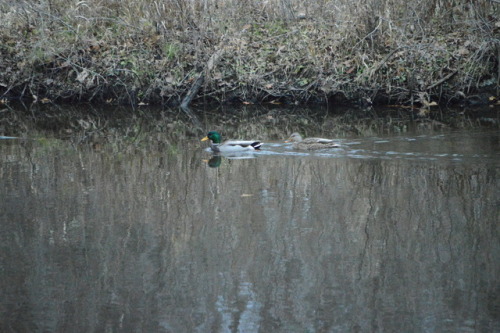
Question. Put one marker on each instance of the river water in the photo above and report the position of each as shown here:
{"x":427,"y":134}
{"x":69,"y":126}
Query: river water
{"x":391,"y":233}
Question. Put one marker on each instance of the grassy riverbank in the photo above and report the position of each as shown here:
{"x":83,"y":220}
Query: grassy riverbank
{"x":287,"y":51}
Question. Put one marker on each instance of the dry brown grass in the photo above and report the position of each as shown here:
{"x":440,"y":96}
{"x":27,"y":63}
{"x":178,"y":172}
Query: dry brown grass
{"x":288,"y":50}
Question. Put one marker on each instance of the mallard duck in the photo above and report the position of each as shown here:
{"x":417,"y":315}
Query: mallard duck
{"x":230,"y":146}
{"x":311,"y":143}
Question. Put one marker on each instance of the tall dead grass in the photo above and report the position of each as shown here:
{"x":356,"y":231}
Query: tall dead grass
{"x":137,"y":49}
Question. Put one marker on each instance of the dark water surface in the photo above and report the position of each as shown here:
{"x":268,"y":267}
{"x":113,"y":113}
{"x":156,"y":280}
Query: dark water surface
{"x":390,"y":234}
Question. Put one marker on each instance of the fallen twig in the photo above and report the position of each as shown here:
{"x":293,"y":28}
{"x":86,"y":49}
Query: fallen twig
{"x":211,"y":63}
{"x":447,"y":77}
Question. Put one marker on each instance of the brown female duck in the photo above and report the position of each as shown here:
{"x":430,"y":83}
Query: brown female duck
{"x":311,"y":143}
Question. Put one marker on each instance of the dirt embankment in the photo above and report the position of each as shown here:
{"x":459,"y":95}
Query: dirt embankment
{"x":153,"y":52}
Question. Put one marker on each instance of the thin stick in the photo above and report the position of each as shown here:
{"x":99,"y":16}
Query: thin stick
{"x":447,"y":77}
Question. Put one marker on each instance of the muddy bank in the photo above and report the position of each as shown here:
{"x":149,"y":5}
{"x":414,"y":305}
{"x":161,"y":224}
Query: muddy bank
{"x":138,"y":53}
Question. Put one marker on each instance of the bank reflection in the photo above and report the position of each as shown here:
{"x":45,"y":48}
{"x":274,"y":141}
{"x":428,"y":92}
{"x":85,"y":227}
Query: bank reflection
{"x":144,"y":240}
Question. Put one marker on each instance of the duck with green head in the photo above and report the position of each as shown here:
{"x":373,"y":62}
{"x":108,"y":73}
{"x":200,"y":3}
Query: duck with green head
{"x":311,"y":143}
{"x":230,"y":145}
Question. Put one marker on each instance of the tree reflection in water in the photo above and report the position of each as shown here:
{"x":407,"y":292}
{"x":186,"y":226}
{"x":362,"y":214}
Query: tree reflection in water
{"x":152,"y":238}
